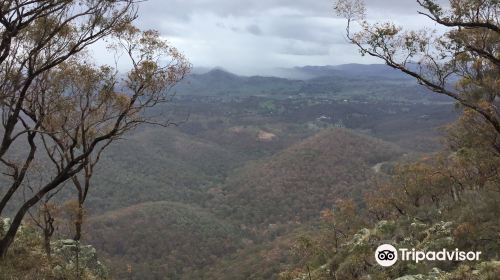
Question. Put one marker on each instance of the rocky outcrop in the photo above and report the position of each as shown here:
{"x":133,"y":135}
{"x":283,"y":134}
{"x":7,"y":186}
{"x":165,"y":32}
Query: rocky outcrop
{"x":355,"y":258}
{"x":71,"y":252}
{"x":434,"y":274}
{"x":29,"y":261}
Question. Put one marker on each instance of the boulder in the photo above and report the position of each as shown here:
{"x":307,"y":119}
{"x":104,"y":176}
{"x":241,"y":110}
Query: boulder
{"x":67,"y":249}
{"x":434,"y":274}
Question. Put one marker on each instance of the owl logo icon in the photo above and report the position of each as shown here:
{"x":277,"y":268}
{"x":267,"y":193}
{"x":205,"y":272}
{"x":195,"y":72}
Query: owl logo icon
{"x":386,"y":255}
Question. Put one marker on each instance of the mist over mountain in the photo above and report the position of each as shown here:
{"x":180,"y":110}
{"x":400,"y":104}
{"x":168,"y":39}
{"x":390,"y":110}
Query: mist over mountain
{"x":349,"y":81}
{"x":343,"y":70}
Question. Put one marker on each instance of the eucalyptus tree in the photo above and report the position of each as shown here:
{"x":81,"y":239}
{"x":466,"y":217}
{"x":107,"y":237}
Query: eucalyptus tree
{"x":462,"y":62}
{"x":60,"y":109}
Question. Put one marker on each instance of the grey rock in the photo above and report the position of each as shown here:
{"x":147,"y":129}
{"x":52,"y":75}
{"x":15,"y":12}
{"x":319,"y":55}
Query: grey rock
{"x":69,"y":250}
{"x":434,"y":274}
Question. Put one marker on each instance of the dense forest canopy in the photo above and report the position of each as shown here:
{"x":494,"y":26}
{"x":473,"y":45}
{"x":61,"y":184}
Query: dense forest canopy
{"x":157,"y":173}
{"x":459,"y":185}
{"x":55,"y":102}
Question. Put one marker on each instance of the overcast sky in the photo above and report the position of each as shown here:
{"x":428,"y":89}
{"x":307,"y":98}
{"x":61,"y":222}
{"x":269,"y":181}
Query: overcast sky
{"x":256,"y":36}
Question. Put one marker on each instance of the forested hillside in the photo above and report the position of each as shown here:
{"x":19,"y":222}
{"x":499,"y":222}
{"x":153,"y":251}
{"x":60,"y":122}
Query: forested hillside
{"x":242,"y":213}
{"x":162,"y":239}
{"x":296,"y":184}
{"x":240,"y":179}
{"x":262,"y":167}
{"x":120,"y":158}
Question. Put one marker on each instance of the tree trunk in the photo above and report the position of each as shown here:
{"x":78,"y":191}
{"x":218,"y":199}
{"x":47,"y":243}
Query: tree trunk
{"x":14,"y":226}
{"x":48,"y":231}
{"x":78,"y":223}
{"x":48,"y":249}
{"x":78,"y":236}
{"x":18,"y":218}
{"x":78,"y":274}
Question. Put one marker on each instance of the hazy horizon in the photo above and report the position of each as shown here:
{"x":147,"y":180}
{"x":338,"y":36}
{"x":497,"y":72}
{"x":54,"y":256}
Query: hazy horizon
{"x":259,"y":38}
{"x":292,"y":72}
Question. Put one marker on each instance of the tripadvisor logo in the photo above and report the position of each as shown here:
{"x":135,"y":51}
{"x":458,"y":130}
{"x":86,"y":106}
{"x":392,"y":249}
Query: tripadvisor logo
{"x":387,"y":255}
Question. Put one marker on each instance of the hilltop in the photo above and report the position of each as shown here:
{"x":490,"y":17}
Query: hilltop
{"x":297,"y":183}
{"x":293,"y":185}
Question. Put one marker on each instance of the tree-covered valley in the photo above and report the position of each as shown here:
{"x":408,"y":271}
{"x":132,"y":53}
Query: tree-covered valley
{"x":240,"y":173}
{"x":172,"y":171}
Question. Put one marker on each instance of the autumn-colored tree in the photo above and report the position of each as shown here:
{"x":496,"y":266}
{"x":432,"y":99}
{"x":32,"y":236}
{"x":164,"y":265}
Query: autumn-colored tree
{"x":462,"y":62}
{"x":468,"y":52}
{"x":72,"y":213}
{"x":305,"y":248}
{"x":45,"y":219}
{"x":458,"y":185}
{"x":341,"y":221}
{"x":413,"y":190}
{"x":475,"y":161}
{"x":60,"y":106}
{"x":381,"y":207}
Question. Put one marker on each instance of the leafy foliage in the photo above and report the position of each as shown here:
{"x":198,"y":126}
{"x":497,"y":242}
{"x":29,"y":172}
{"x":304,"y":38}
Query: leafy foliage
{"x":294,"y":185}
{"x":161,"y":239}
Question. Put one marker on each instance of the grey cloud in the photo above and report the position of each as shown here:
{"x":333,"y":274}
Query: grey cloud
{"x":254,"y":29}
{"x":305,"y":49}
{"x":273,"y":33}
{"x":221,"y":25}
{"x":181,"y":8}
{"x":178,"y":8}
{"x":318,"y":30}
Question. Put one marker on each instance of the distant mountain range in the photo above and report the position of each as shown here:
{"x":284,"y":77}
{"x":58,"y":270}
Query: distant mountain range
{"x":310,"y":72}
{"x":344,"y":70}
{"x":349,"y":81}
